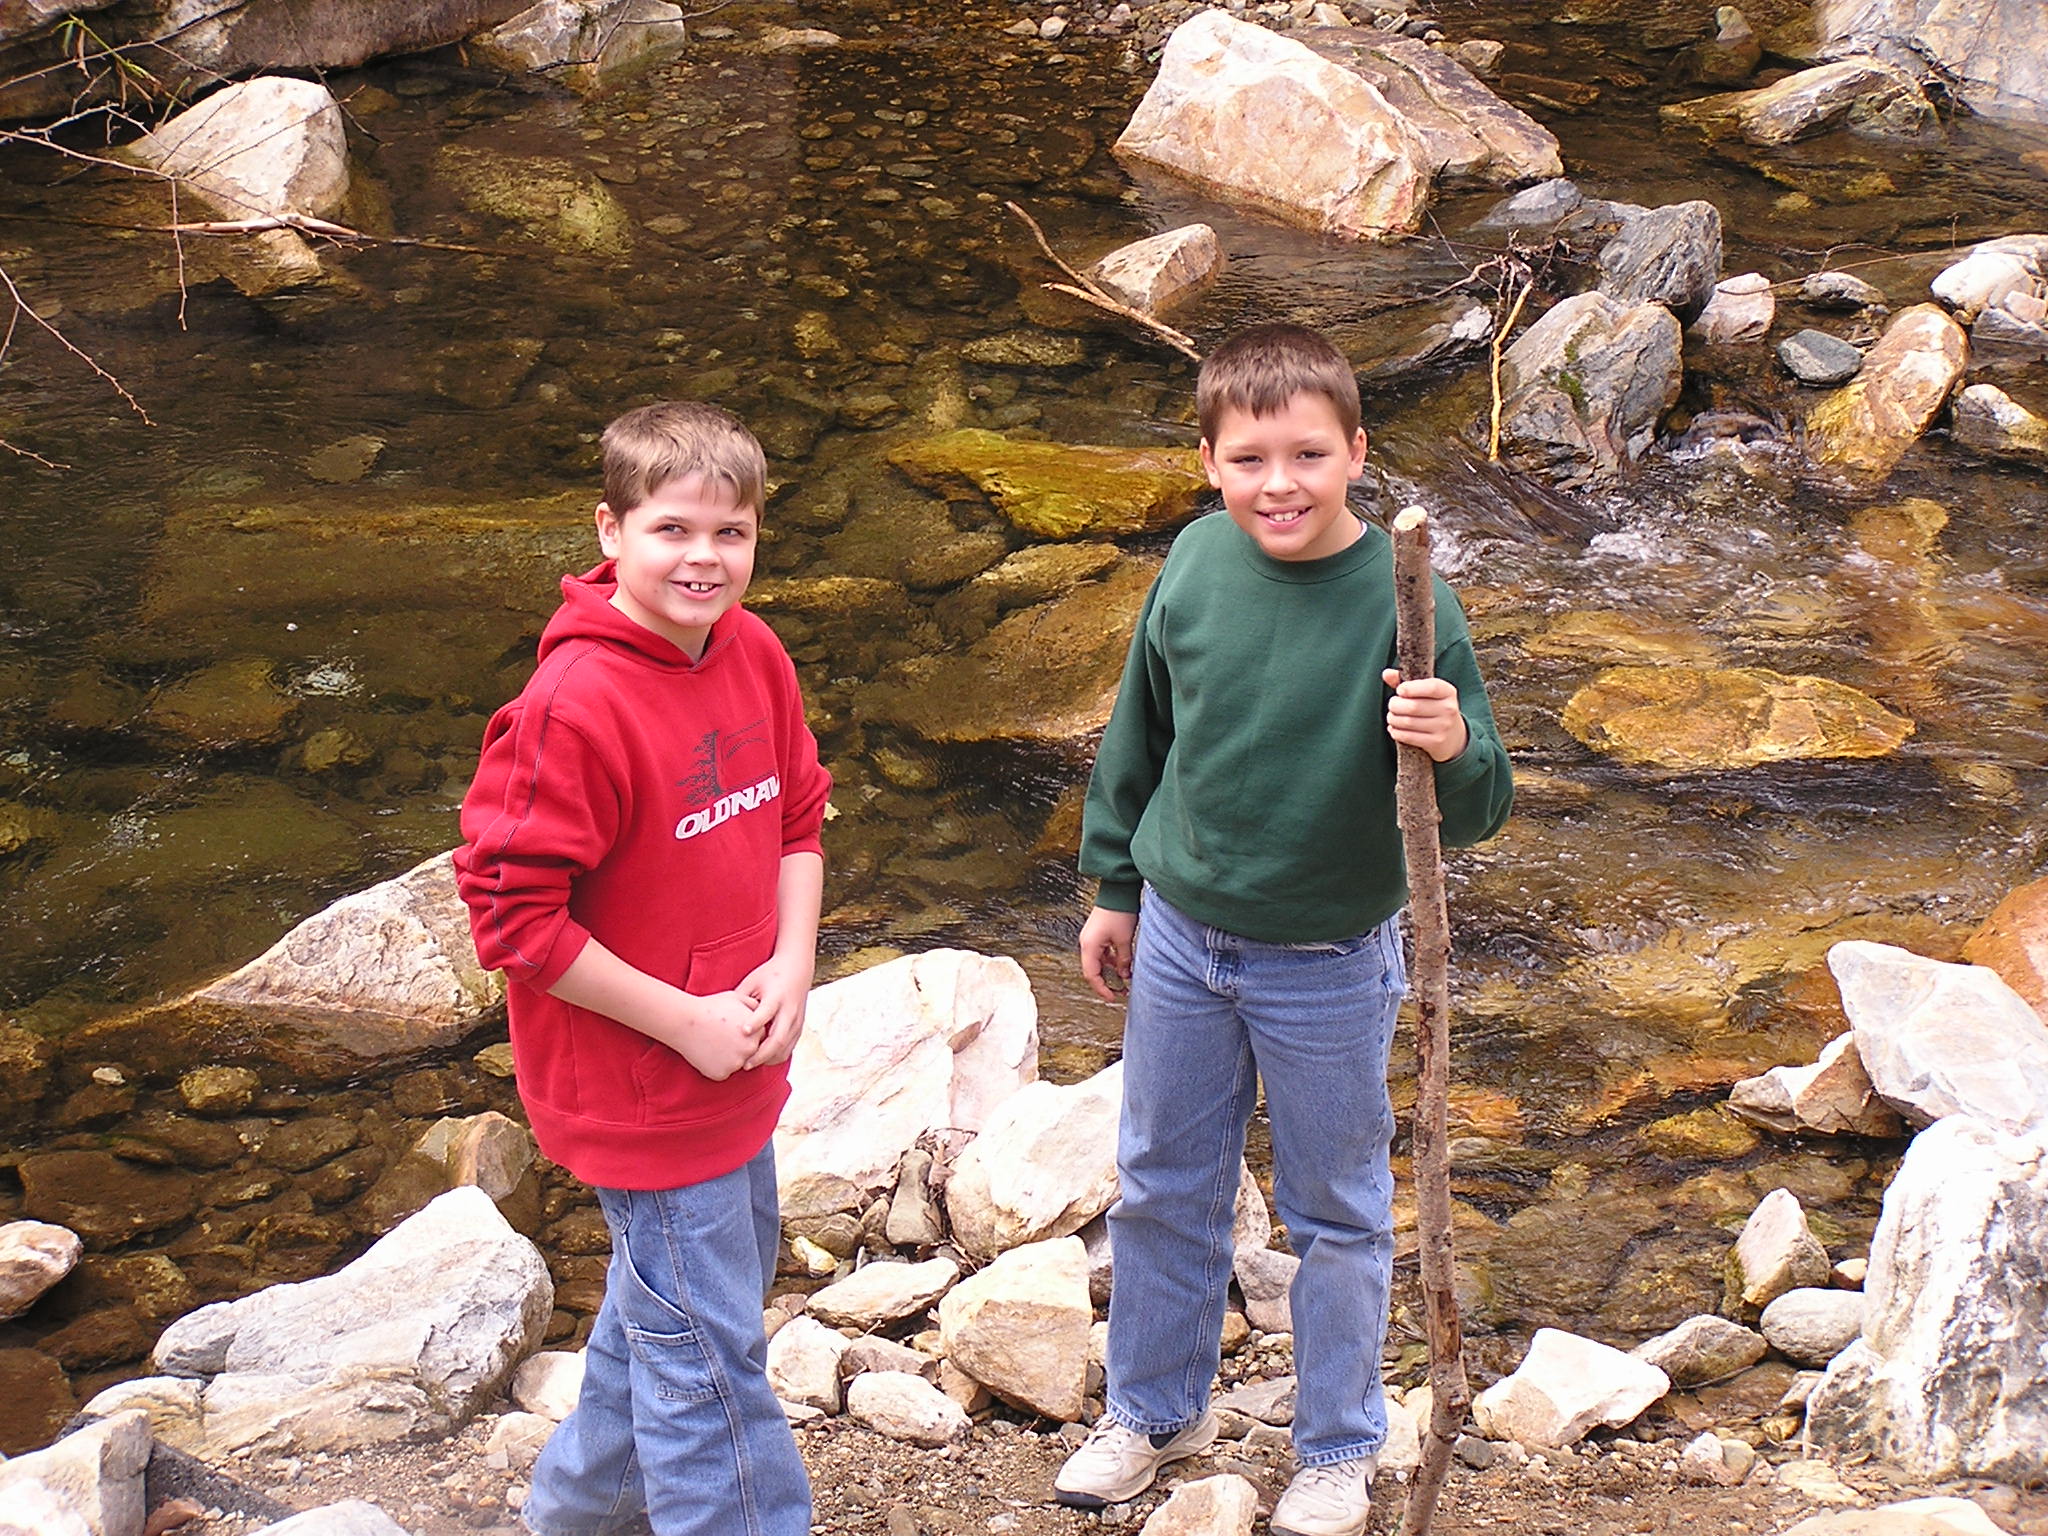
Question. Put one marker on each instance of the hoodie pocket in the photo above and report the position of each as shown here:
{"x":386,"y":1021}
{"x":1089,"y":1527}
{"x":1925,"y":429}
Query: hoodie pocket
{"x":670,"y":1088}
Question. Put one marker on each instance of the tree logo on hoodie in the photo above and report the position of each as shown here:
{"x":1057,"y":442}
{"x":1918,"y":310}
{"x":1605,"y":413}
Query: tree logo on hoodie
{"x":705,"y":785}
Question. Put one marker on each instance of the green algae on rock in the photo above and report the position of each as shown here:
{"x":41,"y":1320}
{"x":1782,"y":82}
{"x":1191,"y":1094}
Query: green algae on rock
{"x":1060,"y":490}
{"x":553,"y":197}
{"x":1693,"y":718}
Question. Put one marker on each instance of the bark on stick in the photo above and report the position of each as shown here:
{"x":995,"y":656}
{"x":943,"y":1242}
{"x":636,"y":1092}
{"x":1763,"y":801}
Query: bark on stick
{"x":1415,"y":791}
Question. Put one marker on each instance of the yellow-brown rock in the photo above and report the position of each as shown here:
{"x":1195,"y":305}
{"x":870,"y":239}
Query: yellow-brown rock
{"x":1710,"y":1133}
{"x":1060,"y":490}
{"x":2014,"y":943}
{"x":1610,"y":636}
{"x":1700,"y":718}
{"x":1868,"y":424}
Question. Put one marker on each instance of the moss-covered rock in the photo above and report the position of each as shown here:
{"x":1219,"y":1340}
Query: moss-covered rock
{"x":554,"y":198}
{"x":1703,"y":718}
{"x":1060,"y":490}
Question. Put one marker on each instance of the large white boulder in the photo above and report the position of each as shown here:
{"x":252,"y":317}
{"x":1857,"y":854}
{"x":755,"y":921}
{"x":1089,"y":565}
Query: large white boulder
{"x":410,"y":1339}
{"x":926,"y":1043}
{"x":1950,"y":1378}
{"x":1564,"y":1387}
{"x":1020,"y":1327}
{"x":89,"y":1482}
{"x":1262,"y":119}
{"x":264,"y":148}
{"x":1940,"y":1039}
{"x":1043,"y":1166}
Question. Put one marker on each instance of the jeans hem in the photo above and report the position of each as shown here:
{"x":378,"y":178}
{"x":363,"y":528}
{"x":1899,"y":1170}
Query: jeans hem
{"x":1138,"y":1426}
{"x":1340,"y":1455}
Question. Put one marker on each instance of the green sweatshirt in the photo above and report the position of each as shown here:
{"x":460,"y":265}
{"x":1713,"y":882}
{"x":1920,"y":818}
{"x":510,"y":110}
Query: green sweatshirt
{"x":1246,"y":770}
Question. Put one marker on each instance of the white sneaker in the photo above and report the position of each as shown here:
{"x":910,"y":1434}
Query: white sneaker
{"x":1115,"y":1463}
{"x":1327,"y":1501}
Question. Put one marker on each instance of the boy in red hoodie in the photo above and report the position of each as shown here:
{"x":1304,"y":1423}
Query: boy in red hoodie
{"x":642,"y":861}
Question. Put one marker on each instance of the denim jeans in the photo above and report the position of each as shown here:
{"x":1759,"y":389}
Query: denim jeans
{"x":676,"y":1420}
{"x":1211,"y":1014}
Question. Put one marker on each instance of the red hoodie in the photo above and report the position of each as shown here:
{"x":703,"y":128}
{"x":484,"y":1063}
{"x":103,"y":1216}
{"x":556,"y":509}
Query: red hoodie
{"x":633,"y":794}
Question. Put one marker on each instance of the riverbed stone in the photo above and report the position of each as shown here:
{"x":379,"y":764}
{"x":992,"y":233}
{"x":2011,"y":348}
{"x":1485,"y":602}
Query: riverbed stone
{"x":1863,"y":92}
{"x":1775,"y":1253}
{"x":1839,"y":290}
{"x":582,"y":43}
{"x":38,"y":1398}
{"x":1047,"y":674}
{"x":1940,"y":1516}
{"x":1703,"y":1349}
{"x":907,"y":1408}
{"x":1261,"y":119}
{"x":1741,"y":308}
{"x":1043,"y":1166}
{"x":411,"y":1339}
{"x":1868,"y":425}
{"x":1988,"y":53}
{"x":1940,"y":1039}
{"x":1817,"y":358}
{"x":1223,"y":1505}
{"x":876,"y":1295}
{"x":1669,"y":256}
{"x":218,"y":1092}
{"x":266,"y":147}
{"x":104,"y":1199}
{"x":95,"y":1474}
{"x":1810,"y":1325}
{"x":227,"y":706}
{"x":1266,"y":1276}
{"x":382,"y":975}
{"x":1950,"y":1378}
{"x":1060,"y":490}
{"x":803,"y":1364}
{"x":1156,"y":274}
{"x":2013,"y":941}
{"x":549,"y":1383}
{"x":1020,"y":1327}
{"x":1832,"y":1097}
{"x":871,"y":1352}
{"x":553,"y":198}
{"x":890,"y":1054}
{"x":1694,"y":719}
{"x":1565,"y":1386}
{"x":1991,"y":272}
{"x":34,"y":1255}
{"x":1585,"y":386}
{"x":1986,"y":418}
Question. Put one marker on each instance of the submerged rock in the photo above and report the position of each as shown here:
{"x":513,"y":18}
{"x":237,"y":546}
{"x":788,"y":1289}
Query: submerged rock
{"x":1864,"y":93}
{"x":1950,"y":1378}
{"x":1705,"y":718}
{"x":1047,"y":674}
{"x":229,"y":705}
{"x":561,"y":203}
{"x":1586,"y":385}
{"x":1261,"y":119}
{"x":1868,"y":425}
{"x":1059,"y":490}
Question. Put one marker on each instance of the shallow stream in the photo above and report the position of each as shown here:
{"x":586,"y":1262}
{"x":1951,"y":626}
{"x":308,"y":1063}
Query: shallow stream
{"x":816,"y":239}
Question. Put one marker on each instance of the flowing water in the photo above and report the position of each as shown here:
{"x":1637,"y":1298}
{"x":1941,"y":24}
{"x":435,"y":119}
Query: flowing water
{"x":813,"y":238}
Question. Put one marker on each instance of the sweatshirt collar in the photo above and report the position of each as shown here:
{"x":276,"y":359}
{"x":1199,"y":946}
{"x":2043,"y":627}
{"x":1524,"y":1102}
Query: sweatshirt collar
{"x":1368,"y":548}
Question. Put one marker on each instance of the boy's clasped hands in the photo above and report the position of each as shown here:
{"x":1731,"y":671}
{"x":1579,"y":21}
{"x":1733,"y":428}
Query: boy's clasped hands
{"x":756,"y":1024}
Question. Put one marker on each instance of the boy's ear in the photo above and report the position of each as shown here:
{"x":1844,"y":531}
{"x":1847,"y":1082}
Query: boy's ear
{"x":1209,"y":465}
{"x":1358,"y":450}
{"x":607,"y":531}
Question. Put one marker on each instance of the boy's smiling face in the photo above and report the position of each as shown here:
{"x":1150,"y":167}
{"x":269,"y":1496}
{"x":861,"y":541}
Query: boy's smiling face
{"x":685,"y":556}
{"x":1283,"y":476}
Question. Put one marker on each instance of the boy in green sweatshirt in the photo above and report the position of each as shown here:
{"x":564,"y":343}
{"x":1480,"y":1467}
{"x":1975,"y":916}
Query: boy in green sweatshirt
{"x":1243,"y":803}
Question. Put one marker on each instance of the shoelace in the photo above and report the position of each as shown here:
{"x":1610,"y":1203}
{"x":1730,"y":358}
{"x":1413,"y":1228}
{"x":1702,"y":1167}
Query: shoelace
{"x":1336,"y":1478}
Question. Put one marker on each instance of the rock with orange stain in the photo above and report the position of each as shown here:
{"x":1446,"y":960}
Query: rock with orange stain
{"x":1701,"y":718}
{"x":2014,"y":943}
{"x":1867,"y":425}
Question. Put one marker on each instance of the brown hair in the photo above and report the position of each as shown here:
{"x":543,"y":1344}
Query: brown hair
{"x":1259,"y":369}
{"x":674,"y":439}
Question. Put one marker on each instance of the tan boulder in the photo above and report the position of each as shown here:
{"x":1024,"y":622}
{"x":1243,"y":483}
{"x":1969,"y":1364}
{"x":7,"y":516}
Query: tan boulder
{"x":1154,"y":275}
{"x":1833,"y":1097}
{"x":1061,"y":490}
{"x":1262,"y":120}
{"x":269,"y":146}
{"x":1047,"y":674}
{"x":2014,"y":943}
{"x":1020,"y":1327}
{"x":1986,"y":418}
{"x":1862,"y":92}
{"x":1702,"y":718}
{"x":1869,"y":423}
{"x":582,"y":43}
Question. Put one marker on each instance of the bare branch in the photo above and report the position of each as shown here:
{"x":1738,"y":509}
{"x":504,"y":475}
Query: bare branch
{"x":1091,"y":292}
{"x":22,"y":307}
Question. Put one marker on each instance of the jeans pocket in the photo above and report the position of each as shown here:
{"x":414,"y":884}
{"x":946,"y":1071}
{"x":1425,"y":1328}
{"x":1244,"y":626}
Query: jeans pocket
{"x":1350,"y":946}
{"x":677,"y":1363}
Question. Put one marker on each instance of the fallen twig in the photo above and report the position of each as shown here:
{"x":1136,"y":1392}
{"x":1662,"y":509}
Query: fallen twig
{"x":1089,"y":291}
{"x":1500,"y":338}
{"x":1415,"y":798}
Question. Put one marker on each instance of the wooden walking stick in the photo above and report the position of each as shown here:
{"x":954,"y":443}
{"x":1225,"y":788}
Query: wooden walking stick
{"x":1415,"y":796}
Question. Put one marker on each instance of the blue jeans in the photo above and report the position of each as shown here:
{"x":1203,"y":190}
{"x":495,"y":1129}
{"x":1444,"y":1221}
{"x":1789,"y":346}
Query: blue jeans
{"x":1211,"y":1013}
{"x":676,"y":1420}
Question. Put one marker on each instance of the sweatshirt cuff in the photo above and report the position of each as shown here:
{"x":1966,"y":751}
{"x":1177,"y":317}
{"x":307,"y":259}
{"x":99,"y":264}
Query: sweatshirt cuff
{"x":1468,"y":767}
{"x":561,"y":955}
{"x":1118,"y":895}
